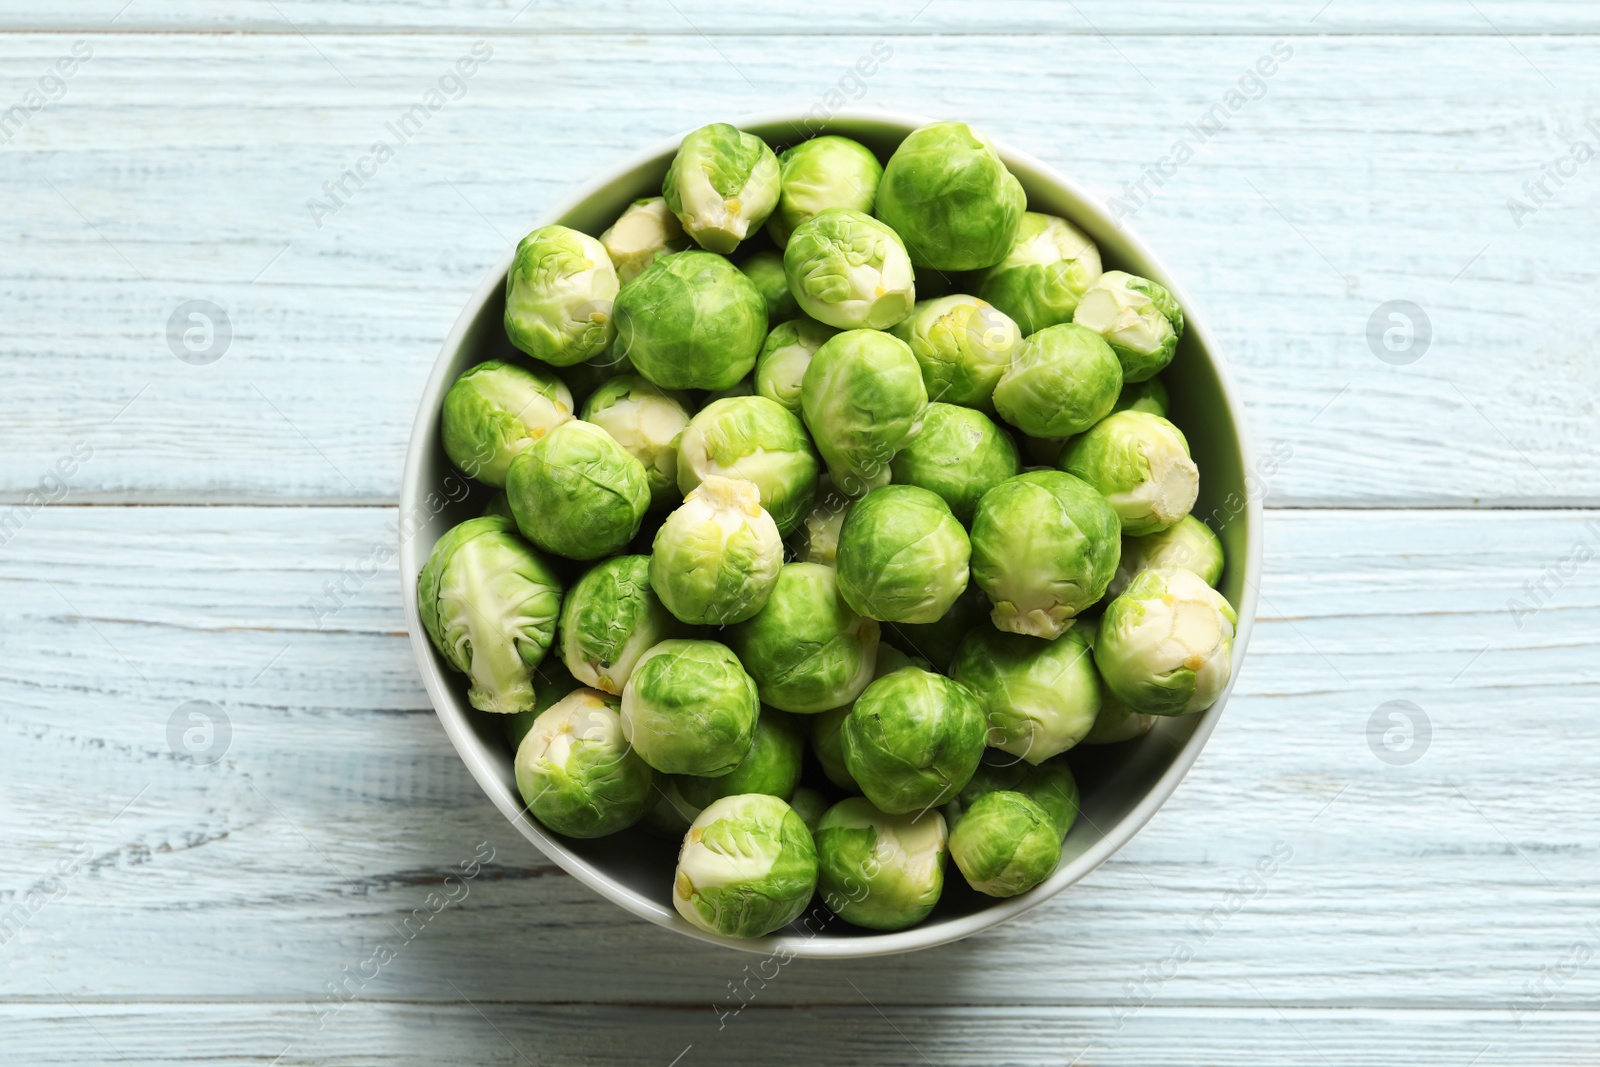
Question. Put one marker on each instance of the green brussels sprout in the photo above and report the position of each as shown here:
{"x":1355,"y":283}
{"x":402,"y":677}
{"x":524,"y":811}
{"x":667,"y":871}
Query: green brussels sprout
{"x":781,"y":366}
{"x":913,"y":739}
{"x":489,"y":603}
{"x":1005,"y":844}
{"x":818,"y":539}
{"x":692,"y":320}
{"x":577,"y":492}
{"x":849,"y":270}
{"x":902,"y":556}
{"x":716,"y":558}
{"x":748,"y":867}
{"x":1149,"y":396}
{"x":575,"y":771}
{"x":806,"y":649}
{"x":1116,"y":722}
{"x":669,"y":815}
{"x":937,"y":642}
{"x":772,"y":766}
{"x":722,"y":184}
{"x":960,"y":455}
{"x":863,"y":399}
{"x":584,"y":378}
{"x":757,"y":440}
{"x":1049,"y":785}
{"x":880,"y":871}
{"x":559,"y":296}
{"x":1140,"y":463}
{"x":646,"y":420}
{"x":1187,"y":543}
{"x":765,"y":271}
{"x":822,"y":173}
{"x":963,"y":346}
{"x":1165,"y":646}
{"x":646,"y":231}
{"x":1044,"y":547}
{"x":1137,"y":317}
{"x":1041,"y":697}
{"x":810,"y":805}
{"x":1063,"y":381}
{"x":690,"y":708}
{"x":496,"y":410}
{"x":610,"y":618}
{"x":825,"y":739}
{"x":1044,"y":275}
{"x":949,"y":196}
{"x":551,"y":682}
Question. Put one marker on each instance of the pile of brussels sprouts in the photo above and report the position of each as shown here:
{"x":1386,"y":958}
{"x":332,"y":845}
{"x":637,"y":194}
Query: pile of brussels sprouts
{"x":757,"y":494}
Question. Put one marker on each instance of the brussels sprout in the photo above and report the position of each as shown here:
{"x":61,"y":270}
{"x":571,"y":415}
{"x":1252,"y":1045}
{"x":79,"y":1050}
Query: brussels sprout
{"x":772,"y":766}
{"x":806,"y":649}
{"x":818,"y":539}
{"x":1188,"y":543}
{"x":863,"y":399}
{"x":947,"y":194}
{"x":496,"y":410}
{"x":489,"y":603}
{"x":1041,"y":697}
{"x":669,"y":815}
{"x":960,"y":455}
{"x":646,"y":420}
{"x":1063,"y":381}
{"x":765,"y":271}
{"x":825,"y":739}
{"x":1116,"y":722}
{"x":559,"y":296}
{"x":1044,"y":275}
{"x":1044,"y":547}
{"x":716,"y":558}
{"x":810,"y":805}
{"x":1140,"y":463}
{"x":584,"y":378}
{"x":689,"y":708}
{"x":692,"y":320}
{"x":646,"y":231}
{"x":913,"y":739}
{"x":1049,"y":785}
{"x":849,"y":270}
{"x":551,"y":682}
{"x":963,"y":346}
{"x":577,"y":492}
{"x":781,"y":366}
{"x":610,"y":618}
{"x":902,"y":556}
{"x":1005,"y":844}
{"x":748,"y":867}
{"x":752,"y":438}
{"x":1149,"y":396}
{"x":575,"y":771}
{"x":937,"y":641}
{"x":722,"y":184}
{"x":1165,"y":646}
{"x":1138,"y":318}
{"x":822,"y":173}
{"x":881,"y":871}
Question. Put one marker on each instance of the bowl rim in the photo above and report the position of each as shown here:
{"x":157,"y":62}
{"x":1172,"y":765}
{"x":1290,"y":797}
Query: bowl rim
{"x":462,"y":737}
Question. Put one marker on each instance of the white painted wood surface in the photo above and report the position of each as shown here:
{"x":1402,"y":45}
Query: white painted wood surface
{"x":1441,"y":909}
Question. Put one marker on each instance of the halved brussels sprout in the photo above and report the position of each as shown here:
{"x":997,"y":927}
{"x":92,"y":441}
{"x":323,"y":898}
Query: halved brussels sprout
{"x":551,"y":682}
{"x":716,"y":558}
{"x":937,"y":642}
{"x":752,"y":438}
{"x":692,"y":320}
{"x":722,"y":184}
{"x":772,"y":766}
{"x":880,"y":871}
{"x":913,"y":740}
{"x":949,"y":196}
{"x":610,"y":618}
{"x":1044,"y":547}
{"x":810,"y":805}
{"x":902,"y":556}
{"x":559,"y":296}
{"x":1149,"y":396}
{"x":577,"y":492}
{"x":960,"y":455}
{"x":1041,"y":697}
{"x":863,"y":399}
{"x":690,"y":708}
{"x":1045,"y":274}
{"x":1188,"y":544}
{"x":1116,"y":721}
{"x":1140,"y":463}
{"x":646,"y":231}
{"x":748,"y":867}
{"x":822,"y":173}
{"x":1165,"y":646}
{"x":496,"y":410}
{"x":1049,"y":785}
{"x":806,"y":649}
{"x":765,"y":271}
{"x":963,"y":346}
{"x":849,"y":270}
{"x":1137,"y":317}
{"x":576,"y":772}
{"x":1063,"y":381}
{"x":818,"y":539}
{"x":1005,"y":844}
{"x":646,"y":420}
{"x":489,"y":603}
{"x":781,"y":366}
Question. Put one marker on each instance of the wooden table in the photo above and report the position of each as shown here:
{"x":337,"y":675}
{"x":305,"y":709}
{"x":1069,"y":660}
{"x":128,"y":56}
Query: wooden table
{"x":169,"y":524}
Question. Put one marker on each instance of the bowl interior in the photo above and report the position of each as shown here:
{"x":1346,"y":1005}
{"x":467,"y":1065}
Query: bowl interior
{"x":1122,"y":785}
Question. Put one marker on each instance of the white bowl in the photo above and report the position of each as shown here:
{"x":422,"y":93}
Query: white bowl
{"x":1122,"y":785}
